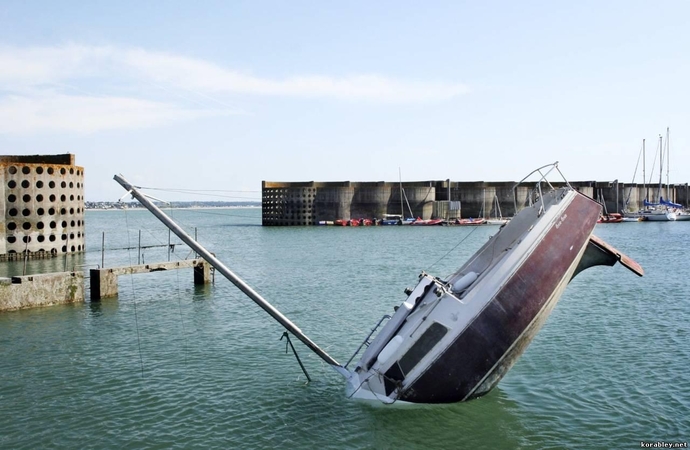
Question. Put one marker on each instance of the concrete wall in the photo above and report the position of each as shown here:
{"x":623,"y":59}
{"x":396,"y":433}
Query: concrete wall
{"x":307,"y":203}
{"x":30,"y":291}
{"x":42,"y":206}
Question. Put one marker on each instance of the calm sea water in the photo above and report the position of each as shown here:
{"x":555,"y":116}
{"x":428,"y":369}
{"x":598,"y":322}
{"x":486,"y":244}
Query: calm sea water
{"x":171,"y":365}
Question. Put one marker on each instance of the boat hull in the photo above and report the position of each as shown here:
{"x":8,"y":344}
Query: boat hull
{"x":479,"y":357}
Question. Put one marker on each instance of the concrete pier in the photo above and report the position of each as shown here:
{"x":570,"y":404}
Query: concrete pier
{"x":48,"y":289}
{"x":104,"y":281}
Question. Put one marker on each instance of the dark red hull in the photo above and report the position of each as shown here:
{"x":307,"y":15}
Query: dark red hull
{"x":482,"y":350}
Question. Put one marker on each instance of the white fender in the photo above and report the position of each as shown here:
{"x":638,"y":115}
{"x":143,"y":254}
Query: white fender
{"x":465,"y":282}
{"x":389,"y":349}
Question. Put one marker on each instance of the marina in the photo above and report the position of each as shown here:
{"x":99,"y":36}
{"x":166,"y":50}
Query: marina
{"x":607,"y":368}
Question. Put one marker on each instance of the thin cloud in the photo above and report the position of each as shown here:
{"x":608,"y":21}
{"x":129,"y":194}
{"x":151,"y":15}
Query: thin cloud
{"x":56,"y":112}
{"x":26,"y":71}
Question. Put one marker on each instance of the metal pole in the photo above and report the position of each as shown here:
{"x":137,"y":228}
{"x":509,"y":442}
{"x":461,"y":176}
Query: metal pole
{"x":26,"y":252}
{"x":617,"y":196}
{"x":103,"y":251}
{"x":66,"y":251}
{"x":234,"y":279}
{"x":168,"y":244}
{"x":139,"y":249}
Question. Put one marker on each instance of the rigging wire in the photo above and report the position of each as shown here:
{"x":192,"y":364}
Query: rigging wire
{"x":136,"y":315}
{"x":637,"y":165}
{"x":452,"y":249}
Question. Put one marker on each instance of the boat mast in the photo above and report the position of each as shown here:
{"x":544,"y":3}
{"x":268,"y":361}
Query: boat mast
{"x":227,"y":273}
{"x":644,"y":174}
{"x":661,"y":166}
{"x":402,"y":208}
{"x":668,"y":164}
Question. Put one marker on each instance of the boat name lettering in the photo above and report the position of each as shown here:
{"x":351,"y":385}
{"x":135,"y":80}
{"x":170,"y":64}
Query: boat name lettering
{"x":561,"y":220}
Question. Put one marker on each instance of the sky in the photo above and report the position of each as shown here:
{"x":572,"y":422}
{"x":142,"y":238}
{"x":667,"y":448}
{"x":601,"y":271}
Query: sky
{"x":216,"y":96}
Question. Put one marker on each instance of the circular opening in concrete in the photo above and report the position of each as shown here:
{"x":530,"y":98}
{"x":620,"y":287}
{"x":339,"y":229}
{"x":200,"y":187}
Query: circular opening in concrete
{"x":51,"y":238}
{"x":78,"y":210}
{"x":73,"y":248}
{"x":71,"y":198}
{"x":41,"y":238}
{"x":26,"y":184}
{"x":79,"y":247}
{"x":78,"y":185}
{"x":63,"y":198}
{"x":39,"y":170}
{"x":11,"y":226}
{"x":64,"y":247}
{"x":51,"y":184}
{"x":64,"y":238}
{"x":39,"y":198}
{"x":12,"y":170}
{"x":71,"y":237}
{"x":26,"y":198}
{"x":51,"y":212}
{"x":63,"y":211}
{"x":63,"y":185}
{"x":26,"y":239}
{"x":26,"y":170}
{"x":12,"y":184}
{"x":50,"y":171}
{"x":26,"y":212}
{"x":53,"y":250}
{"x":39,"y":184}
{"x":64,"y":224}
{"x":63,"y":171}
{"x":51,"y":198}
{"x":71,"y":211}
{"x":71,"y":171}
{"x":11,"y":198}
{"x":71,"y":224}
{"x":71,"y":185}
{"x":26,"y":225}
{"x":39,"y":225}
{"x":11,"y":240}
{"x":53,"y":224}
{"x":40,"y":211}
{"x":12,"y":212}
{"x":78,"y":223}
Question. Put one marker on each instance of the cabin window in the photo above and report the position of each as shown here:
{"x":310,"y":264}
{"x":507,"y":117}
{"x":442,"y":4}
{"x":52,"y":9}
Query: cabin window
{"x":424,"y":344}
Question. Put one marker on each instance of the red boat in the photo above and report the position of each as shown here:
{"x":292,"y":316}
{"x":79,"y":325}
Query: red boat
{"x":340,"y":222}
{"x":354,"y":222}
{"x":420,"y":221}
{"x":470,"y":221}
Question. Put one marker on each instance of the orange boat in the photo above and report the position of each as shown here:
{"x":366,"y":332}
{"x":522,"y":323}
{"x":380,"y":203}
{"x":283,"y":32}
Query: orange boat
{"x":610,"y":218}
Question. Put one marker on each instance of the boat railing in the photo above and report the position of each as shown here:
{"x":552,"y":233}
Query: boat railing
{"x":366,"y":339}
{"x":543,"y":174}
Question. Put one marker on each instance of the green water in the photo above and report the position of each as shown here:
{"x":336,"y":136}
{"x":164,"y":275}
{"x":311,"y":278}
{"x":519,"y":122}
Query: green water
{"x":171,"y":365}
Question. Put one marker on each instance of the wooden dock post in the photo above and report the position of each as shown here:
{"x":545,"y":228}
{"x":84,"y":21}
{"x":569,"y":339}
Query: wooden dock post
{"x":104,"y":281}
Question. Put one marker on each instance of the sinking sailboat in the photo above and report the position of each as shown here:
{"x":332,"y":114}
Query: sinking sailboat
{"x":453,"y":339}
